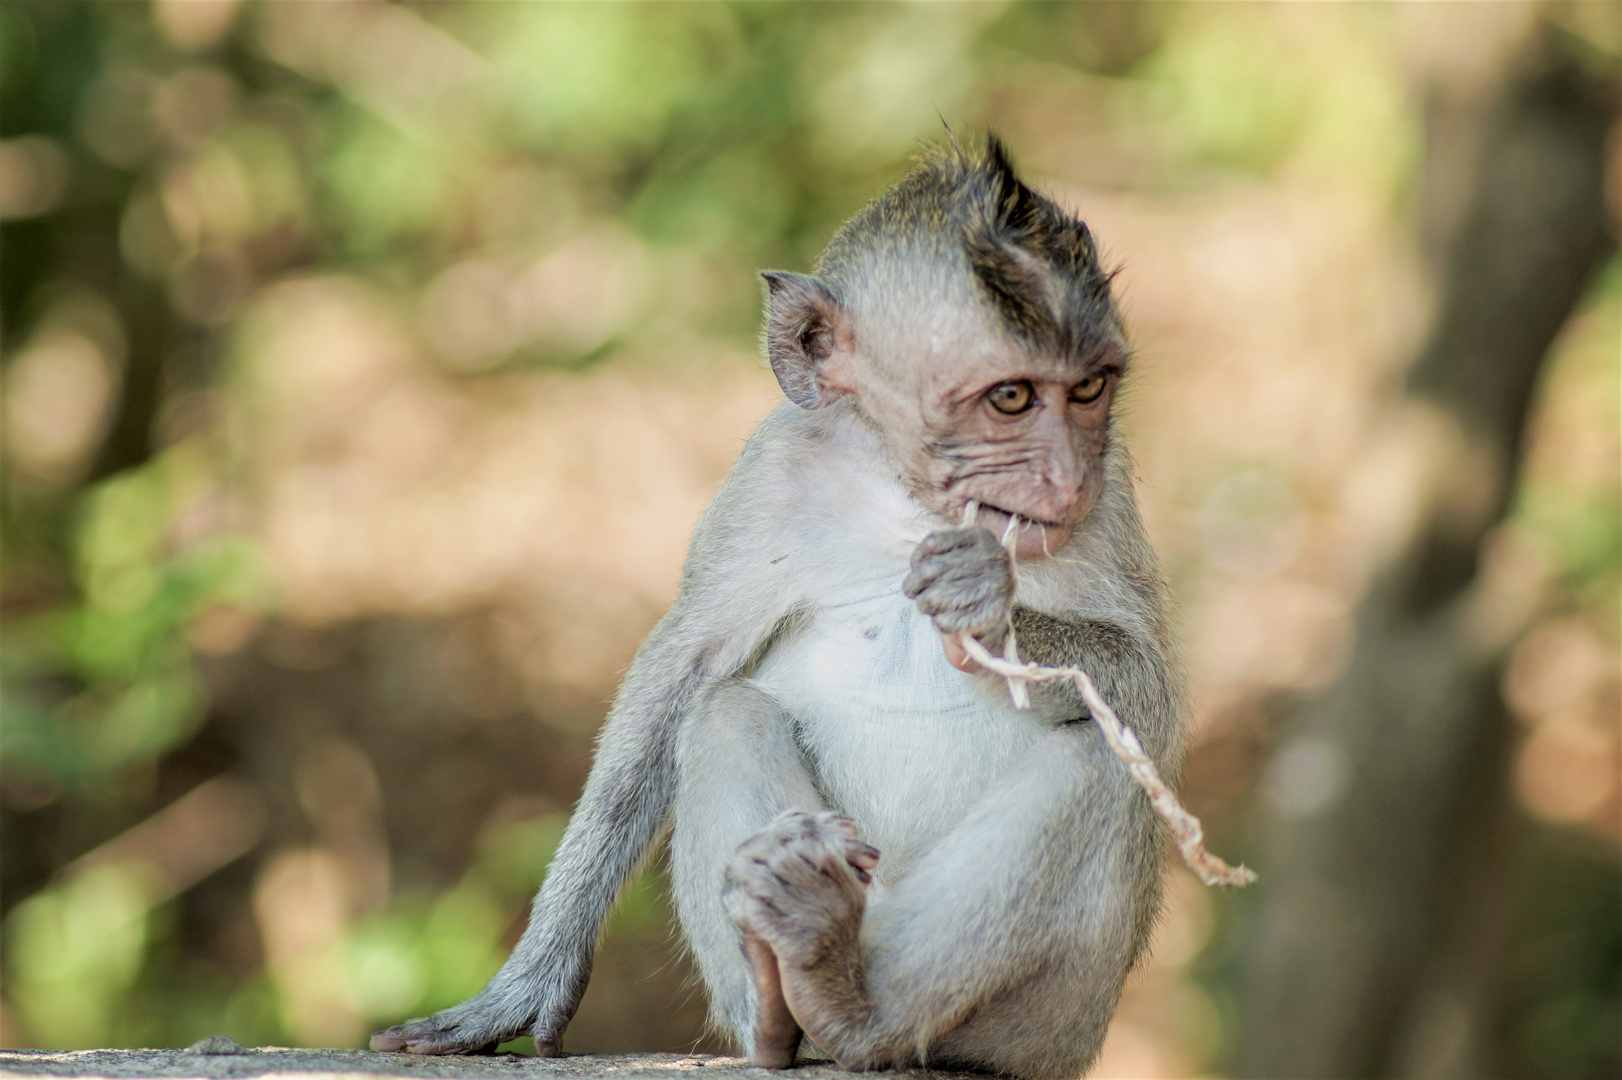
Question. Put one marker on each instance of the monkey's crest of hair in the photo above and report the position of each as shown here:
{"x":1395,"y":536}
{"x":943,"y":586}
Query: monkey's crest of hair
{"x":1035,"y":264}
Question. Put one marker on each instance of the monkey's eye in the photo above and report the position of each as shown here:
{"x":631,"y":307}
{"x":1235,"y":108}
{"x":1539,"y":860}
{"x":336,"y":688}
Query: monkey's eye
{"x":1011,"y":397}
{"x":1087,"y":390}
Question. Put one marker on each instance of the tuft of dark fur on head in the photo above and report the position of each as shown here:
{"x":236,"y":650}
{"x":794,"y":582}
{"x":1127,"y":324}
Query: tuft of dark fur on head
{"x":1038,"y":264}
{"x":1034,"y":263}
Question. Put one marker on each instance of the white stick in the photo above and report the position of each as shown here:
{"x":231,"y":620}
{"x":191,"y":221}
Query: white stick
{"x":1123,"y":740}
{"x":1017,"y":690}
{"x":1185,"y":827}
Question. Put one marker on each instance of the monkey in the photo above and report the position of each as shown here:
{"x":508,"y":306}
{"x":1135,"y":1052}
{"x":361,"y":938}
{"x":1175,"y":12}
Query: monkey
{"x":870,"y":847}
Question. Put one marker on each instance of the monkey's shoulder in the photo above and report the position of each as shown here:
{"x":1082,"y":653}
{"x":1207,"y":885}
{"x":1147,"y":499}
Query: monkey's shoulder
{"x":812,"y":487}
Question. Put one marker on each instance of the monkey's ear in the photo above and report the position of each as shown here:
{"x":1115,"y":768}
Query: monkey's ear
{"x":804,"y":327}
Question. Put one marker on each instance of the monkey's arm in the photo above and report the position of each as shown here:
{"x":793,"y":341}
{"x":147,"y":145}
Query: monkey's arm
{"x":1037,"y":902}
{"x":718,"y":621}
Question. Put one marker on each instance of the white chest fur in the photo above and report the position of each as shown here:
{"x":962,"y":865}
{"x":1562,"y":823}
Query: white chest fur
{"x":900,"y":740}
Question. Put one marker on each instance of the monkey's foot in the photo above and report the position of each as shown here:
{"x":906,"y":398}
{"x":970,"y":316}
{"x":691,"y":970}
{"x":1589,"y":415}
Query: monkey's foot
{"x":776,"y":1037}
{"x":796,"y":891}
{"x":474,"y":1027}
{"x":799,"y":884}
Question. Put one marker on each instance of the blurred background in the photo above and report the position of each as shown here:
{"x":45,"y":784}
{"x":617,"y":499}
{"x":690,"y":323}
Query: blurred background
{"x":367,"y":364}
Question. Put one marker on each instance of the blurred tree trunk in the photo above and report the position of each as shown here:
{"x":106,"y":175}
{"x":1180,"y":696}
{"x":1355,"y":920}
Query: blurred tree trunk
{"x":1374,"y":938}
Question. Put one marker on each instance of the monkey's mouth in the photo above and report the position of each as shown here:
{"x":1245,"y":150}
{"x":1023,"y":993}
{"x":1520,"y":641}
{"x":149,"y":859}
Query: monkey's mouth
{"x":1032,"y":538}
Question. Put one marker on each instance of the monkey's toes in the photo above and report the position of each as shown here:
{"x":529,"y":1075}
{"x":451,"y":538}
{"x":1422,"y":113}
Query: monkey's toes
{"x":824,"y":841}
{"x":799,"y":879}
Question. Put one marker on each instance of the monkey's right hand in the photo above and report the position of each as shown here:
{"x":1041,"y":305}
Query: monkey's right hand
{"x":474,"y":1027}
{"x":963,"y":579}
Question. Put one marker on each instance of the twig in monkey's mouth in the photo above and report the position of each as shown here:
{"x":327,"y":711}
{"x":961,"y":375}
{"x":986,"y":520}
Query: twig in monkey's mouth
{"x":1024,"y":519}
{"x":1032,"y":537}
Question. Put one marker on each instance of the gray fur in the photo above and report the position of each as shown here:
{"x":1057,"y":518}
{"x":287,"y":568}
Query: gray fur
{"x":794,"y":707}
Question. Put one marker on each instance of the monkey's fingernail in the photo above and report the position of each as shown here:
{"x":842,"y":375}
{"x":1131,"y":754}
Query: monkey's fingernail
{"x":863,"y":855}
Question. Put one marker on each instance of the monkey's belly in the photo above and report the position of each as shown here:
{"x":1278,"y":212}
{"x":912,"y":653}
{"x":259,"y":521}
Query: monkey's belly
{"x":899,"y":739}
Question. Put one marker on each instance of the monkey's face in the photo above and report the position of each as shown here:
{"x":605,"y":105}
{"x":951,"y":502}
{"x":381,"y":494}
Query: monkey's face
{"x":1021,"y":437}
{"x":970,"y":414}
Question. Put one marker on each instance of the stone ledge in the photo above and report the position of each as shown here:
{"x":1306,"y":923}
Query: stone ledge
{"x":224,"y":1061}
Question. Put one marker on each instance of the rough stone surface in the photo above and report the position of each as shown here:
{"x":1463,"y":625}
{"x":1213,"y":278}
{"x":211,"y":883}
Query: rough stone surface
{"x":220,"y":1059}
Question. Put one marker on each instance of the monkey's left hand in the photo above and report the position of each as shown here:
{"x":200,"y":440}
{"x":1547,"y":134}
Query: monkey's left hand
{"x":964,"y":580}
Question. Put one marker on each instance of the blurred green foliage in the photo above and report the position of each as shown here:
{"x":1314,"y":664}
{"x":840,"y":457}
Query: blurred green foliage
{"x":1581,"y":528}
{"x":121,"y":650}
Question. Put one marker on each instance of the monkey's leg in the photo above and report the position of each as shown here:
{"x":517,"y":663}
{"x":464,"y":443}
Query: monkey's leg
{"x":737,"y":769}
{"x":1004,"y":949}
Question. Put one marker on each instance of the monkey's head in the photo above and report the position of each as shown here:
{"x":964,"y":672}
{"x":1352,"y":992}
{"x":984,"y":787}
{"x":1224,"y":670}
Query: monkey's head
{"x":966,"y":319}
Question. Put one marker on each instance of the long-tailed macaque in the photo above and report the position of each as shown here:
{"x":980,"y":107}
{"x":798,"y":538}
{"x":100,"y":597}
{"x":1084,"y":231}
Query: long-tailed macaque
{"x":869,"y":843}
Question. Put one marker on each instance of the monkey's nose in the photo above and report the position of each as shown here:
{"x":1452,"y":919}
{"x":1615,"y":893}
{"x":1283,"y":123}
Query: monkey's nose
{"x":1060,"y":496}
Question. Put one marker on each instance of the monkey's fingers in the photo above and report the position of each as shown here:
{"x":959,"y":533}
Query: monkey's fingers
{"x":396,"y":1038}
{"x":400,"y":1038}
{"x":926,"y":574}
{"x":916,"y":582}
{"x":447,"y":1033}
{"x":861,"y":856}
{"x":954,"y":550}
{"x":957,"y":655}
{"x":953,"y":539}
{"x":967,"y":591}
{"x":960,"y":576}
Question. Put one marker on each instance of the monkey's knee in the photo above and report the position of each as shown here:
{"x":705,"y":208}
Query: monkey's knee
{"x":738,"y":740}
{"x":1051,"y":1028}
{"x":731,"y":706}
